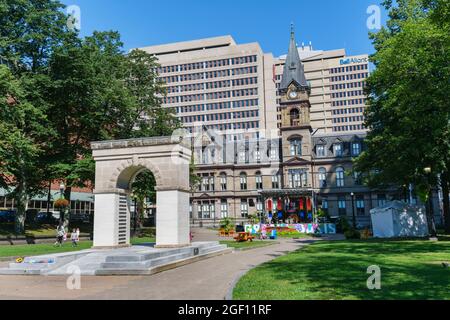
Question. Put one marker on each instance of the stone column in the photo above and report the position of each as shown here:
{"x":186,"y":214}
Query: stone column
{"x":172,"y":219}
{"x":111,"y":219}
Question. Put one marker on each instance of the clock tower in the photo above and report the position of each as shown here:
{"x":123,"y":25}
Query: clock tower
{"x":295,"y":127}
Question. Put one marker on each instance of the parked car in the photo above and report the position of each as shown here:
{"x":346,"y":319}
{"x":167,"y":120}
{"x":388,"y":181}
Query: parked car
{"x":31,"y":215}
{"x":7,"y":216}
{"x":80,"y":218}
{"x":44,"y":217}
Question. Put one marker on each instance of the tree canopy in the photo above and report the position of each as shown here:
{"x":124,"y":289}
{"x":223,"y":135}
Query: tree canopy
{"x":408,"y":112}
{"x":59,"y":92}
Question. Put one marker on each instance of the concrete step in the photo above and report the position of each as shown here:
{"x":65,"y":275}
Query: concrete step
{"x":145,"y":264}
{"x":139,"y":257}
{"x":217,"y":247}
{"x":163,"y":267}
{"x":169,"y":259}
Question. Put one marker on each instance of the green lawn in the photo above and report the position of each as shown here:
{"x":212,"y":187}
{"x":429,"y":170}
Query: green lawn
{"x":247,"y":245}
{"x":296,"y":235}
{"x":44,"y":230}
{"x":338,"y":270}
{"x":42,"y":249}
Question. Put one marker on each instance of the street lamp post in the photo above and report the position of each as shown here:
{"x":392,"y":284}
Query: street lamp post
{"x":353,"y":210}
{"x":61,"y":213}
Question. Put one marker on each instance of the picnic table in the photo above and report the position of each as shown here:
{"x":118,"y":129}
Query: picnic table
{"x":223,"y":233}
{"x":244,"y":237}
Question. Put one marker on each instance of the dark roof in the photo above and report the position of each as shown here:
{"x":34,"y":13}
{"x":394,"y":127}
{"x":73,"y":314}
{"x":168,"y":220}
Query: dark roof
{"x":293,"y":68}
{"x":330,"y":139}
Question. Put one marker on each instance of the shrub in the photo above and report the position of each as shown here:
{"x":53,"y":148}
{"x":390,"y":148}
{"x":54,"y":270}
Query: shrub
{"x":352,"y":234}
{"x":343,"y":225}
{"x":366,"y":234}
{"x":226,"y":224}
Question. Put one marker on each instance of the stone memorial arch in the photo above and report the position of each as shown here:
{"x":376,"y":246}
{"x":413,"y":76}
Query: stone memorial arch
{"x":117,"y":163}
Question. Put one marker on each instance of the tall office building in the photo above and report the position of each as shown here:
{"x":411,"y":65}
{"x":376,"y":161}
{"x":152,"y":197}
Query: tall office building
{"x":218,"y":83}
{"x":224,"y":85}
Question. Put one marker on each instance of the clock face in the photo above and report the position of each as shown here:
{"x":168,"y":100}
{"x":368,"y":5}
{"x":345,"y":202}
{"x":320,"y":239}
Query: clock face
{"x":293,"y":94}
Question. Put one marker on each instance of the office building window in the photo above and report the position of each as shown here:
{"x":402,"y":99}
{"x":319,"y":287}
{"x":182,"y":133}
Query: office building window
{"x":298,"y":178}
{"x":275,"y":181}
{"x":206,"y":213}
{"x":325,"y":205}
{"x":223,"y":181}
{"x":342,"y":207}
{"x":356,"y":149}
{"x":340,"y":178}
{"x":273,"y":154}
{"x":243,"y":181}
{"x":320,"y":151}
{"x":360,"y":206}
{"x":296,"y":147}
{"x":381,"y":200}
{"x":244,"y":208}
{"x":322,"y":177}
{"x":205,"y":184}
{"x":259,"y":181}
{"x":338,"y":149}
{"x":259,"y":205}
{"x":223,"y":208}
{"x":242,"y":157}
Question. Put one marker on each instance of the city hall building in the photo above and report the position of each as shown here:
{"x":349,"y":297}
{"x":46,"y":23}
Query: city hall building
{"x":305,"y":165}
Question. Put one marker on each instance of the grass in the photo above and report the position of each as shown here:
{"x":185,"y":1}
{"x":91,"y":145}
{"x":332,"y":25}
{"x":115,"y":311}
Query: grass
{"x":247,"y":245}
{"x":296,"y":235}
{"x":338,"y":270}
{"x":41,"y":249}
{"x":44,"y":230}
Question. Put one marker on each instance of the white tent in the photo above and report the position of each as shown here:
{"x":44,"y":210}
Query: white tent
{"x":398,"y":219}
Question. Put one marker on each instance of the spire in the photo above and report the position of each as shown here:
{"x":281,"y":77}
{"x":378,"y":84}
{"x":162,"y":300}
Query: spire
{"x":293,"y":68}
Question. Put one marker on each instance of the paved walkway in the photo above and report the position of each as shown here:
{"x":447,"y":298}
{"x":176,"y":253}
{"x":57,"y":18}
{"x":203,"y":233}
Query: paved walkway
{"x":205,"y":280}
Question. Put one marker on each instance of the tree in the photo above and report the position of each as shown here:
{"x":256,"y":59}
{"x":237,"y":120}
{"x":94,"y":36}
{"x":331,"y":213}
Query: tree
{"x":143,"y":188}
{"x":22,"y":130}
{"x":75,"y":90}
{"x":408,"y":110}
{"x":29,"y":30}
{"x":111,"y":96}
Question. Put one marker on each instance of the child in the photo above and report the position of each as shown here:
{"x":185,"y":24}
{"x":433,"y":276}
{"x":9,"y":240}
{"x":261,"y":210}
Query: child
{"x":60,"y":232}
{"x":74,"y":238}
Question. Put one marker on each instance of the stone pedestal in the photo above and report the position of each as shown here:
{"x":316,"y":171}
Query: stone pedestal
{"x":172,"y":219}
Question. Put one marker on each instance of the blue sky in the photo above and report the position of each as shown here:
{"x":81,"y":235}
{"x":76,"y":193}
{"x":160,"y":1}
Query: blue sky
{"x":328,"y":24}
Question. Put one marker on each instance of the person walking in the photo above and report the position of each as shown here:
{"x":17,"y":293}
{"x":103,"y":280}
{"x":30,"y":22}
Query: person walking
{"x":60,"y":232}
{"x":74,"y":238}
